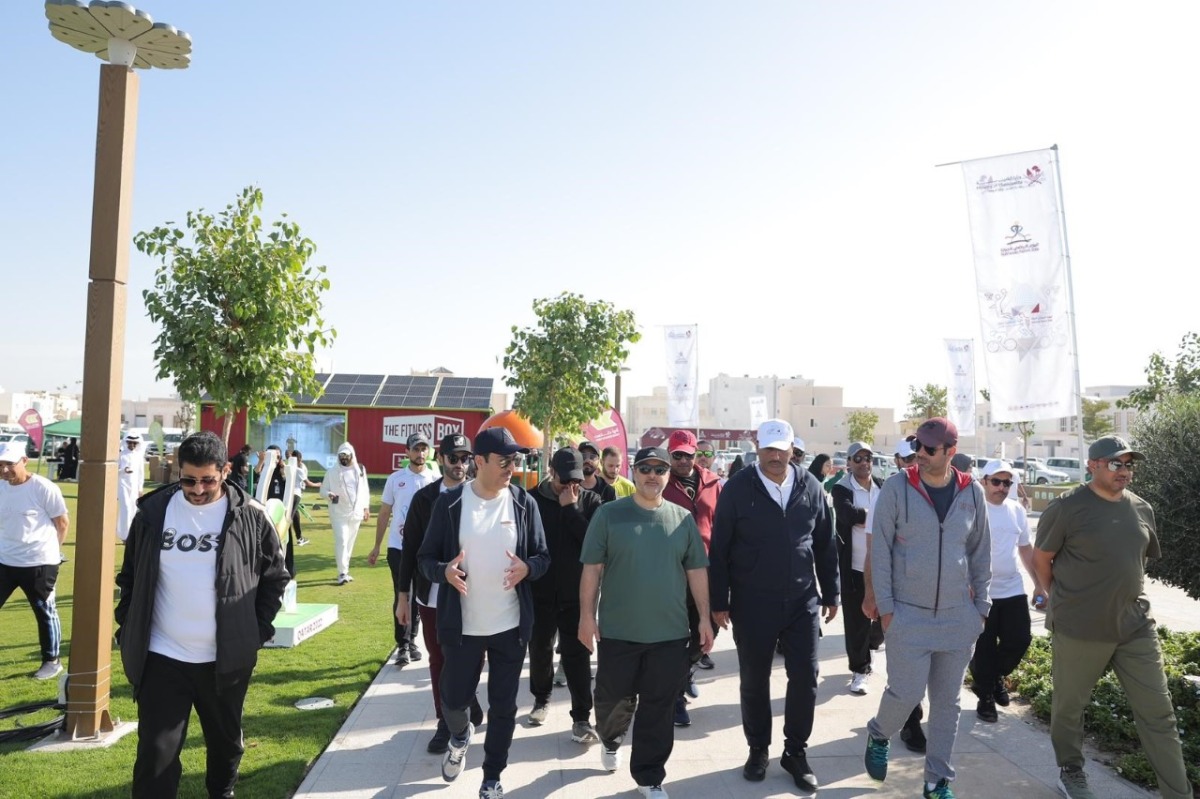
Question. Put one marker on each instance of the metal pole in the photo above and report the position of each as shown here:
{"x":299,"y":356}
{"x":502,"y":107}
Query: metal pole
{"x":1062,"y":225}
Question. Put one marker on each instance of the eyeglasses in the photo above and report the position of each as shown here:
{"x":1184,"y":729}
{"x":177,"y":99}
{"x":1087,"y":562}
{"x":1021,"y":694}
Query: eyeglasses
{"x":1116,"y":466}
{"x":207,"y":482}
{"x":861,"y":458}
{"x":682,"y":456}
{"x":706,"y":453}
{"x":659,"y":470}
{"x":454,"y":460}
{"x":997,"y":482}
{"x":516,"y":459}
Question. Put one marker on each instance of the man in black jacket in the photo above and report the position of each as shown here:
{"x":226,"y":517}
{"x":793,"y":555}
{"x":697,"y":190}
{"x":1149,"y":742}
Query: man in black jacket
{"x":189,"y":639}
{"x":454,"y":455}
{"x":566,"y":508}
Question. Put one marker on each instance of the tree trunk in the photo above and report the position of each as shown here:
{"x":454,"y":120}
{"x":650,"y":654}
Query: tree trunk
{"x":226,"y":427}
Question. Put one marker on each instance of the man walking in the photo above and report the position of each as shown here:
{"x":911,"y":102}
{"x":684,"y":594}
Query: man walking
{"x":774,"y":568}
{"x":398,"y":492}
{"x":610,"y":464}
{"x":647,"y":554}
{"x":485,"y":542}
{"x":239,"y":466}
{"x":566,"y":509}
{"x":33,"y":527}
{"x":131,"y":478}
{"x":349,"y":495}
{"x":591,"y":472}
{"x":1091,"y":551}
{"x":1006,"y":633}
{"x":188,"y":638}
{"x":454,"y":455}
{"x":930,"y":565}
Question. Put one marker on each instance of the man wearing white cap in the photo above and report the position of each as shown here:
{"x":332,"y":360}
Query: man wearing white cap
{"x":349,"y":495}
{"x":33,"y":526}
{"x":774,"y":567}
{"x":131,"y":477}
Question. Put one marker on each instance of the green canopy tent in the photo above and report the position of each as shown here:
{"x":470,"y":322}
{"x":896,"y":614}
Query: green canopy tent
{"x":65,"y":429}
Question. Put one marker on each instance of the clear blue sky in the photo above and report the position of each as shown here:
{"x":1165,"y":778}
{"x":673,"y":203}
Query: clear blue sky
{"x":764,"y":168}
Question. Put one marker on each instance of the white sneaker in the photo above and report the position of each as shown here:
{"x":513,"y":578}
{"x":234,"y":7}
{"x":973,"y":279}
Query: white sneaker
{"x":652,"y":791}
{"x":610,"y":759}
{"x":343,"y":579}
{"x":349,"y":579}
{"x":858,"y":684}
{"x":49,"y":670}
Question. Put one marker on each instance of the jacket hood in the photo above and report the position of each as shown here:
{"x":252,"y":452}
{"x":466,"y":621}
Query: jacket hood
{"x":348,"y":448}
{"x":960,"y":479}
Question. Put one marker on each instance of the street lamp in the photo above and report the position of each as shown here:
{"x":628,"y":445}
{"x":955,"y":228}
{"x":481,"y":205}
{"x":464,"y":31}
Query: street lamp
{"x":124,"y":38}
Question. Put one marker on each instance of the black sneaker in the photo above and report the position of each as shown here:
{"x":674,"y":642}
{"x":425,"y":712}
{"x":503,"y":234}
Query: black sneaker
{"x":796,"y":764}
{"x":705,"y":663}
{"x":682,"y":717}
{"x":755,"y":769}
{"x":441,"y":737}
{"x":414,"y":654}
{"x":986,"y":709}
{"x":913,"y":737}
{"x":401,"y":657}
{"x":1001,"y":693}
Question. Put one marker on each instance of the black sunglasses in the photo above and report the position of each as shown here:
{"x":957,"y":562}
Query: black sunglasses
{"x":207,"y":482}
{"x":861,"y":458}
{"x":682,"y":456}
{"x":918,"y":446}
{"x":997,"y":482}
{"x":659,"y":470}
{"x":454,"y":460}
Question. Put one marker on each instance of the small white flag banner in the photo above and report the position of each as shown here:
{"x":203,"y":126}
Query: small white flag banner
{"x":961,"y":385}
{"x":683,"y":376}
{"x":1021,"y":279}
{"x":758,"y":412}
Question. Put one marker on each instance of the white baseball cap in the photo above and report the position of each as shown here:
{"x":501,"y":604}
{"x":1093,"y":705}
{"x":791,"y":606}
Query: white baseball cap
{"x":12,"y":451}
{"x":905,"y":449}
{"x":798,"y":443}
{"x":996,"y":466}
{"x":776,"y":434}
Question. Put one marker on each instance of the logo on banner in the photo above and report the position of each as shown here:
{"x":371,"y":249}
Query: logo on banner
{"x":1034,"y":174}
{"x":397,"y":429}
{"x":1017,"y":242}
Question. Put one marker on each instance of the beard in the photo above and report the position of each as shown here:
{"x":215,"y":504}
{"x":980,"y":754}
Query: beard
{"x":588,"y":469}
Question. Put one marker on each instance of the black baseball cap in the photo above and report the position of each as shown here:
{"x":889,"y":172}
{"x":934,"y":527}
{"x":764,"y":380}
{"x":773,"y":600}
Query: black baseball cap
{"x":651,"y":454}
{"x":454,"y":442}
{"x":497,"y":441}
{"x":588,"y":445}
{"x":567,"y":463}
{"x":416,"y":439}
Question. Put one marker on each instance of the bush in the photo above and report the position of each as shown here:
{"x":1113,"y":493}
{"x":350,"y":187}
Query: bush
{"x":1167,"y":436}
{"x":1108,"y":719}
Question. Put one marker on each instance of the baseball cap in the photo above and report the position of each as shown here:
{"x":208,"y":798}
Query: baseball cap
{"x":798,"y":443}
{"x":776,"y":434}
{"x":567,"y":463}
{"x":651,"y":454}
{"x":857,"y":447}
{"x":682,"y":441}
{"x":962,"y":462}
{"x":905,"y":449}
{"x":585,"y":444}
{"x":996,"y":465}
{"x":416,"y":439}
{"x":1105,"y":448}
{"x":937,"y":432}
{"x":12,"y":451}
{"x":497,"y":441}
{"x":454,"y":442}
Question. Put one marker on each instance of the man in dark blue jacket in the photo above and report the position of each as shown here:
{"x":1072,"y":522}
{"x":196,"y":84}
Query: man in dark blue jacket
{"x":484,"y":541}
{"x":773,"y":565}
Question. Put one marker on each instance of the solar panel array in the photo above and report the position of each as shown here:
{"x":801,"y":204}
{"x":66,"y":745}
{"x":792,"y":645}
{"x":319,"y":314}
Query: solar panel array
{"x":405,"y":391}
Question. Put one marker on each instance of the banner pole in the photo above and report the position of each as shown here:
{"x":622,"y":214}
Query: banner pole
{"x":1062,"y":224}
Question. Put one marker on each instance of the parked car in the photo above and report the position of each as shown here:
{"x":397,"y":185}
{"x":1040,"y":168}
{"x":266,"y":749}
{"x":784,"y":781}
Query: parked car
{"x":30,"y":448}
{"x":1069,"y":466}
{"x":1036,"y":471}
{"x":883,"y":466}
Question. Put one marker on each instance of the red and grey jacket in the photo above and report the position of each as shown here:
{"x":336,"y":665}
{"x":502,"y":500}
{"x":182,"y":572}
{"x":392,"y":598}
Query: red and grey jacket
{"x":703,"y":506}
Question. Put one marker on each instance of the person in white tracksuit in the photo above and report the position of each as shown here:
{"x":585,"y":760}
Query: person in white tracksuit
{"x":345,"y":486}
{"x":131,"y":478}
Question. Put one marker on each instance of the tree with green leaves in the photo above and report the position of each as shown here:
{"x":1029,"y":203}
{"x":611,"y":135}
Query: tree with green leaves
{"x":927,"y":401}
{"x":560,"y":366}
{"x":239,"y":313}
{"x":1164,"y":378}
{"x":1096,"y":423}
{"x":860,"y":425}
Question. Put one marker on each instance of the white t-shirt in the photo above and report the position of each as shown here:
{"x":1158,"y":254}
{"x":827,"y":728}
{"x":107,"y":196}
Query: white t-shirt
{"x":779,"y":493}
{"x":863,"y":498}
{"x":398,"y":492}
{"x":184,"y":625}
{"x":487,"y":530}
{"x":27,"y":514}
{"x":1010,"y":529}
{"x":301,"y":479}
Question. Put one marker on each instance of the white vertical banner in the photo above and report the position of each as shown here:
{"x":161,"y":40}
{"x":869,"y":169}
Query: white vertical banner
{"x":758,"y":411}
{"x":1021,"y":278}
{"x":961,"y":384}
{"x":683,"y":376}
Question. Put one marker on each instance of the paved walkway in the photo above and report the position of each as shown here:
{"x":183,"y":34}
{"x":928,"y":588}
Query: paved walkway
{"x":380,"y":751}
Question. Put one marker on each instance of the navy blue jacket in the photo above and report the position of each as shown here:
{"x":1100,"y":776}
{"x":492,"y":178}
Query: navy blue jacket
{"x":441,"y":545}
{"x":761,"y":552}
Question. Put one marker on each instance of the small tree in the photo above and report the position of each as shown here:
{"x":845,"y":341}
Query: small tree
{"x":927,"y":402}
{"x":1167,"y":436}
{"x":860,"y":425}
{"x":239,"y":314}
{"x":560,"y":367}
{"x":1164,"y":378}
{"x":1096,"y":423}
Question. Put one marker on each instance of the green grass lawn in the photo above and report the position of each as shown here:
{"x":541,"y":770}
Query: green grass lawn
{"x":281,"y":742}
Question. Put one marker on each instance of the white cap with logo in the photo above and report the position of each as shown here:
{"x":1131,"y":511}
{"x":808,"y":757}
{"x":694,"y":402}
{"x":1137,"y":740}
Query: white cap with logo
{"x":776,"y":434}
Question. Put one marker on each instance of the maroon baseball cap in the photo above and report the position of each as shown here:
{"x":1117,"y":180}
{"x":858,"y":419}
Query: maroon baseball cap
{"x":937,"y":432}
{"x":682,"y":441}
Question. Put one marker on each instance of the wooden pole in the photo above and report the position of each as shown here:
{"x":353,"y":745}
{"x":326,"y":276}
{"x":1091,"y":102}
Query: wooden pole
{"x":90,"y":668}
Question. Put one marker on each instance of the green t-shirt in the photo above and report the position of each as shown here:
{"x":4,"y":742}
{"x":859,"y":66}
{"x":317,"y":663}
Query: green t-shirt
{"x":643,"y":592}
{"x":1098,"y":592}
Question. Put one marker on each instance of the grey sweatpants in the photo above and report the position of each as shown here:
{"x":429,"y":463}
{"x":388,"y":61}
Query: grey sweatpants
{"x":927,"y":650}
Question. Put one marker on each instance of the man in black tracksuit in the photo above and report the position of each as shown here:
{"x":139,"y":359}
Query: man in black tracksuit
{"x":201,"y":582}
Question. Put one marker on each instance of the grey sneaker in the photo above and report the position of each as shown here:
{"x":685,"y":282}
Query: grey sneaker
{"x":537,"y":716}
{"x":49,"y":670}
{"x":583,"y":733}
{"x":652,"y":791}
{"x":1073,"y":784}
{"x":491,"y":789}
{"x":560,"y":676}
{"x":456,"y":755}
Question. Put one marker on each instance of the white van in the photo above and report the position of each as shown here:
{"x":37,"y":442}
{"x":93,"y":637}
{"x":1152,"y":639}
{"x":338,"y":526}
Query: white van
{"x":1069,"y":466}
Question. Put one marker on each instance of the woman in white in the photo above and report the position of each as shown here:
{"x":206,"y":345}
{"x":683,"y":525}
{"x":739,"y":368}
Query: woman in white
{"x":345,"y":486}
{"x":131,"y":478}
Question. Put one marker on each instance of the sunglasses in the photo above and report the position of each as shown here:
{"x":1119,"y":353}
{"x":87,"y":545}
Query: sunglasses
{"x":861,"y":459}
{"x":682,"y":456}
{"x":797,"y":453}
{"x":571,"y":482}
{"x":997,"y":482}
{"x":207,"y":482}
{"x":659,"y":470}
{"x":706,"y":453}
{"x":908,"y":459}
{"x":454,"y":460}
{"x":918,"y":446}
{"x":506,"y":461}
{"x":1116,"y":466}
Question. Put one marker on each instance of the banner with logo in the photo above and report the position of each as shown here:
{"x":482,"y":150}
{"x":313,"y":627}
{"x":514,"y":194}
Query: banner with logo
{"x":758,"y":411}
{"x":1021,"y":279}
{"x":683,"y":376}
{"x":960,"y":399}
{"x":608,"y":430}
{"x":31,"y":423}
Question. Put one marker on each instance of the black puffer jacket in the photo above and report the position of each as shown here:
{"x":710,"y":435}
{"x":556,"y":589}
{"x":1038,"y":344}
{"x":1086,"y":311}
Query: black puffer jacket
{"x":250,"y":582}
{"x":565,"y":528}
